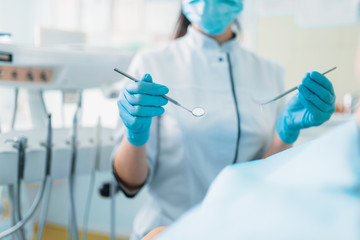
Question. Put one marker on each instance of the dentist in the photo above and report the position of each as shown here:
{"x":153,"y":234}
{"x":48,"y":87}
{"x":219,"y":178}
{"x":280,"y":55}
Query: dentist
{"x":178,"y":155}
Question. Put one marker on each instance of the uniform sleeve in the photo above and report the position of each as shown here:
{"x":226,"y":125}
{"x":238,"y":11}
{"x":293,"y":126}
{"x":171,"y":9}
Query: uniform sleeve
{"x":136,"y":69}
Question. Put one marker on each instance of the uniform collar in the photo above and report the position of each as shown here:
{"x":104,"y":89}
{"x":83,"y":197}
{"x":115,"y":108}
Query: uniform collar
{"x":199,"y":39}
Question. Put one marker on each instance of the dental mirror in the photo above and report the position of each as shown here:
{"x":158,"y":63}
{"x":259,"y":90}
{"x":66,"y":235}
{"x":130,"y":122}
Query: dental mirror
{"x":198,"y":112}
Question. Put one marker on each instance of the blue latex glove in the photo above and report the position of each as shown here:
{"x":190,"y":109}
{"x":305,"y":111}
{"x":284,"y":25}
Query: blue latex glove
{"x":138,"y":103}
{"x":311,"y":106}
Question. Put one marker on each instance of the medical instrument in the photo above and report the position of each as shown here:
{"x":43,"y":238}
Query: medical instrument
{"x":27,"y":216}
{"x":197,"y":112}
{"x":48,"y":184}
{"x":109,"y":190}
{"x":97,"y":144}
{"x":37,"y":69}
{"x":112,"y":210}
{"x":19,"y":144}
{"x":73,"y":142}
{"x":19,"y":225}
{"x":62,"y":67}
{"x":13,"y":208}
{"x":290,"y":90}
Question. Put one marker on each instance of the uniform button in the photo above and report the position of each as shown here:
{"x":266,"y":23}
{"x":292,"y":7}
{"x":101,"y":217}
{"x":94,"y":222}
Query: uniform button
{"x":220,"y":59}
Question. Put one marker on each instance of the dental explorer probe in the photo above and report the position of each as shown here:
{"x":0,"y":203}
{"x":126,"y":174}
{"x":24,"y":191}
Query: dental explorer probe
{"x":73,"y":142}
{"x":48,"y":185}
{"x":291,"y":90}
{"x":197,"y":112}
{"x":37,"y":200}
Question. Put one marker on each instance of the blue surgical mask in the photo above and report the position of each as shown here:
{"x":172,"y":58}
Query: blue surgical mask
{"x":212,"y":16}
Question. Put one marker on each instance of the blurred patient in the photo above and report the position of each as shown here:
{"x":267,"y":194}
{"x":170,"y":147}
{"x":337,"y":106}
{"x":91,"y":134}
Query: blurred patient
{"x":308,"y":192}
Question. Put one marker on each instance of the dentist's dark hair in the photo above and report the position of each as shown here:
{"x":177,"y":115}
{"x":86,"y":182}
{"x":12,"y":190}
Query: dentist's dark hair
{"x":181,"y":26}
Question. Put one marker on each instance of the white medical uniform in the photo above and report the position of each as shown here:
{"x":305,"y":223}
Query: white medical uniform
{"x":185,"y":153}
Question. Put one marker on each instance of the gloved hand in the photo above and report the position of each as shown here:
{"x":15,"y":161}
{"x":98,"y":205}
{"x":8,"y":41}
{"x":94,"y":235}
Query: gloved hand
{"x":138,"y":103}
{"x":311,"y":106}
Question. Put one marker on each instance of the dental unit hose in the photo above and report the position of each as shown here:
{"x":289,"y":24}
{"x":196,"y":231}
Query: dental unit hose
{"x":34,"y":205}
